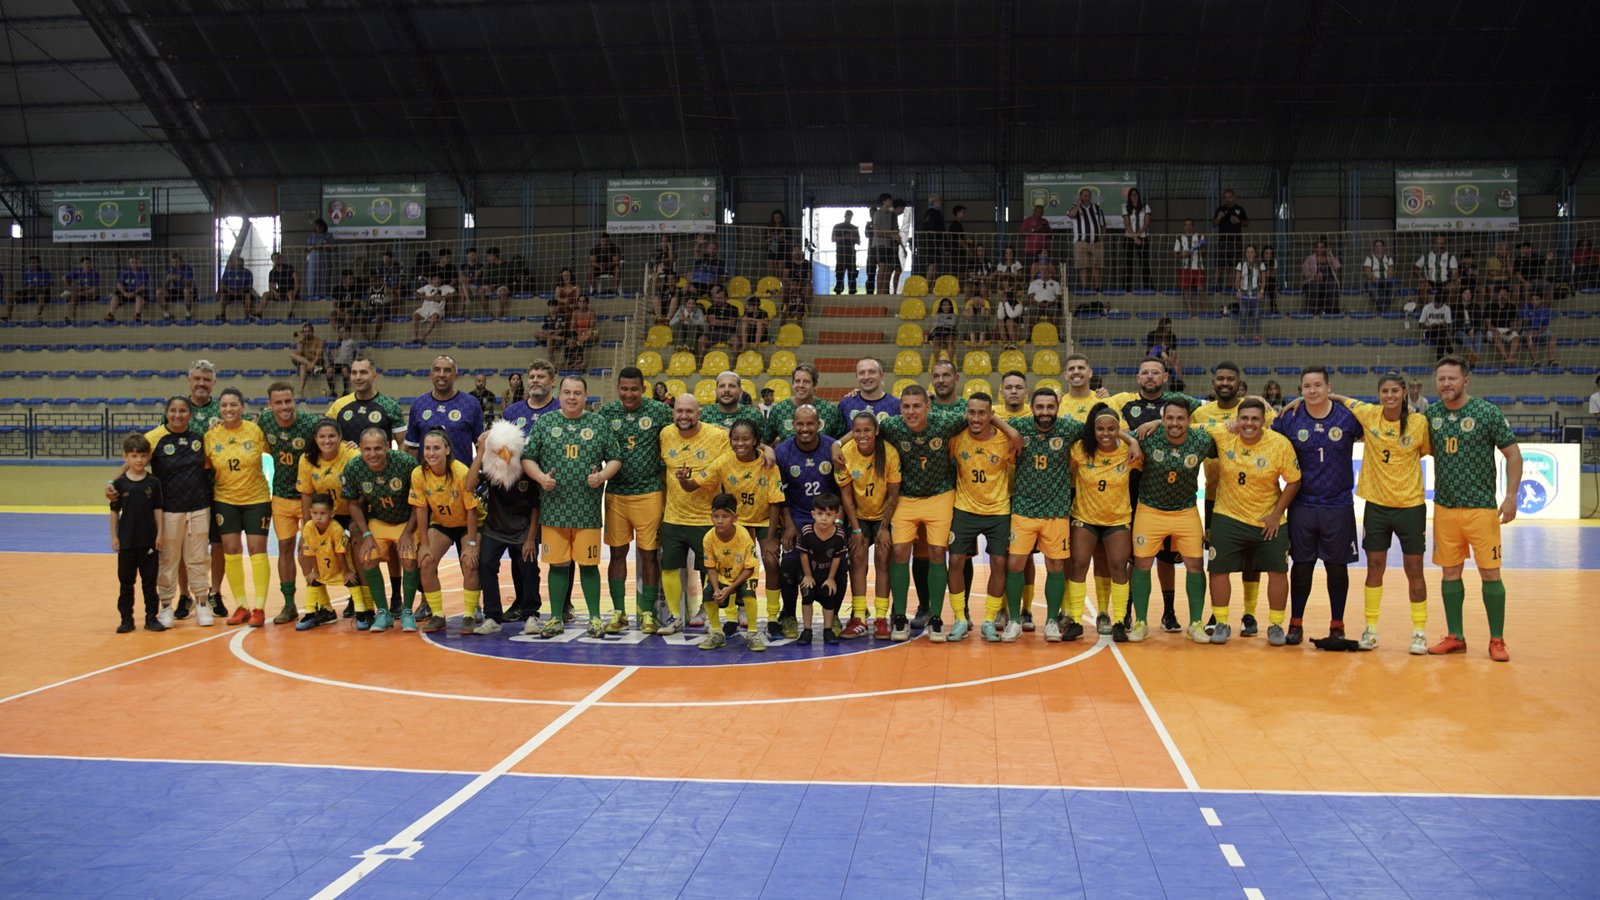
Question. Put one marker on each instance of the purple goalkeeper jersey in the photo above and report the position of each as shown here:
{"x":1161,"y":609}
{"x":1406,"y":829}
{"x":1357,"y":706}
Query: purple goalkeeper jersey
{"x":1323,"y":447}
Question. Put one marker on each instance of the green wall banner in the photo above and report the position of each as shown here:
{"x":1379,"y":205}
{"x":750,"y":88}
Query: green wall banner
{"x":1058,"y":191}
{"x":635,"y":205}
{"x":1456,"y":199}
{"x":110,"y":213}
{"x":376,"y":210}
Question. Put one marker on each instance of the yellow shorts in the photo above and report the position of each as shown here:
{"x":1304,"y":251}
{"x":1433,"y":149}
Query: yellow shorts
{"x":562,"y":545}
{"x":1457,"y":530}
{"x":931,"y":514}
{"x":630,"y":515}
{"x":1053,"y":537}
{"x":384,"y":536}
{"x":331,"y":568}
{"x":1153,"y":526}
{"x":285,"y":518}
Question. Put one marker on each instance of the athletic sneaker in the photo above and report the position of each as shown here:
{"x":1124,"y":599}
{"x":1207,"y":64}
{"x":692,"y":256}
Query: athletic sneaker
{"x":1197,"y":633}
{"x":363,"y":620}
{"x":648,"y":623}
{"x":568,"y":617}
{"x":1336,"y":630}
{"x":1210,"y":624}
{"x":531,"y":626}
{"x":258,"y":618}
{"x":350,"y":609}
{"x":286,"y":615}
{"x":596,"y":629}
{"x":218,"y":608}
{"x":185,"y":607}
{"x":901,"y":630}
{"x":151,"y":623}
{"x":326,"y":616}
{"x":382,"y":620}
{"x":240,"y":616}
{"x":774,"y":630}
{"x":1369,"y":639}
{"x":1127,"y":617}
{"x":617,"y":623}
{"x":829,"y":636}
{"x":1071,"y":629}
{"x":729,"y":629}
{"x":936,"y":632}
{"x":1247,"y":626}
{"x":1138,"y":632}
{"x":959,"y":630}
{"x":698,"y":620}
{"x":715,"y":640}
{"x":671,"y":627}
{"x":1448,"y":644}
{"x":920,"y":620}
{"x":989,"y":632}
{"x":125,"y":627}
{"x":424,"y":611}
{"x":1119,"y":633}
{"x":552,"y":628}
{"x":1275,"y":636}
{"x":1419,"y":643}
{"x":307,"y":622}
{"x":165,"y":616}
{"x":806,"y":636}
{"x":880,"y":628}
{"x":1221,"y":633}
{"x":1052,"y":631}
{"x":203,"y":616}
{"x":837,"y":627}
{"x":1027,"y":620}
{"x":487,"y":626}
{"x":1297,"y":633}
{"x":1169,"y":622}
{"x":753,"y":641}
{"x":1102,"y":623}
{"x":434,"y":623}
{"x":855,"y":628}
{"x":408,"y":621}
{"x":1001,"y":617}
{"x":512,"y":615}
{"x":790,"y":626}
{"x":1012,"y":631}
{"x":1497,"y":649}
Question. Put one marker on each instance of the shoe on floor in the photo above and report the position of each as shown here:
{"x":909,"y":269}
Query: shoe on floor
{"x":617,"y":623}
{"x":218,"y":608}
{"x":958,"y":631}
{"x":1197,"y":633}
{"x":125,"y":627}
{"x":880,"y":628}
{"x":596,"y":629}
{"x":855,"y":628}
{"x":935,"y":630}
{"x":1011,"y":632}
{"x":326,"y":616}
{"x":382,"y":620}
{"x":432,"y":624}
{"x":1247,"y":626}
{"x":1102,"y":623}
{"x":1071,"y":629}
{"x":920,"y":620}
{"x":1297,"y":633}
{"x":1119,"y":632}
{"x":286,"y":615}
{"x":829,"y":637}
{"x":753,"y":641}
{"x":1221,"y":632}
{"x":185,"y":607}
{"x":1448,"y":644}
{"x":1169,"y":622}
{"x":648,"y":624}
{"x":408,"y":621}
{"x":1275,"y":636}
{"x":1336,"y":629}
{"x":363,"y":620}
{"x":1419,"y":643}
{"x":553,"y":628}
{"x":668,"y":628}
{"x":487,"y":626}
{"x":1138,"y":632}
{"x":307,"y":622}
{"x":531,"y":626}
{"x":1369,"y":639}
{"x":715,"y":640}
{"x":790,"y":626}
{"x":165,"y":617}
{"x":1027,"y":620}
{"x":240,"y":616}
{"x":1497,"y":650}
{"x":901,"y":630}
{"x":203,"y":616}
{"x":151,"y":623}
{"x":258,"y":618}
{"x":990,"y":632}
{"x":1052,"y":631}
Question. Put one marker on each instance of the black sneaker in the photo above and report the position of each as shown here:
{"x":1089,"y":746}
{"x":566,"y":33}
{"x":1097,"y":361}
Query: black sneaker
{"x":920,"y":620}
{"x":1119,"y":632}
{"x":1127,"y":617}
{"x":1247,"y":626}
{"x":350,"y":609}
{"x":512,"y":615}
{"x":1211,"y":624}
{"x":805,"y":636}
{"x":424,"y":611}
{"x":1027,"y":620}
{"x":185,"y":607}
{"x":151,"y":623}
{"x":1071,"y":630}
{"x":828,"y":637}
{"x":218,"y":608}
{"x":326,"y":616}
{"x":125,"y":627}
{"x":1169,"y":622}
{"x":774,"y":630}
{"x":730,"y":629}
{"x":1297,"y":633}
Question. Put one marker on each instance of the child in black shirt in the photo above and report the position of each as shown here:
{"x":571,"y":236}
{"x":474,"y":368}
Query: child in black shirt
{"x":136,"y":532}
{"x":824,"y":553}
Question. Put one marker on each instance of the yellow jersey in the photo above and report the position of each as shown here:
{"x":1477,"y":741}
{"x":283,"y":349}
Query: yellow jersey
{"x":324,"y":476}
{"x":867,"y":488}
{"x":983,"y":474}
{"x":327,"y":548}
{"x":730,"y":558}
{"x":1077,"y":407}
{"x":1391,"y":464}
{"x":1247,"y":486}
{"x":235,"y":456}
{"x":444,"y":496}
{"x":1211,"y":414}
{"x":698,"y":453}
{"x":1100,"y":486}
{"x":757,"y":489}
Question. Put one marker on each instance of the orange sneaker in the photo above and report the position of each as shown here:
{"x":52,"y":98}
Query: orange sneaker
{"x":855,"y":628}
{"x":1448,"y":644}
{"x":1497,"y":650}
{"x":240,"y":616}
{"x":258,"y":618}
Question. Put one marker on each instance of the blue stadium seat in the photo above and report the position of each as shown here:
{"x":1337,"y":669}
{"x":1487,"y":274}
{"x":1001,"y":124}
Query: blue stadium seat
{"x":1301,"y":316}
{"x":1309,"y":342}
{"x":1280,"y":342}
{"x":59,"y":401}
{"x":1584,"y":370}
{"x":1374,"y":342}
{"x":1179,"y":315}
{"x":1533,"y":400}
{"x":1352,"y":370}
{"x":1499,"y":399}
{"x":1361,"y":316}
{"x":1416,"y":370}
{"x":1518,"y":370}
{"x":166,"y":348}
{"x":1350,"y":292}
{"x":1123,"y":342}
{"x":1171,"y":292}
{"x":33,"y":374}
{"x":1567,"y":400}
{"x":1208,"y":315}
{"x":1291,"y":292}
{"x":149,"y":401}
{"x":469,"y":345}
{"x":253,"y":373}
{"x":1216,"y":342}
{"x":496,"y":345}
{"x":250,"y":345}
{"x":1093,"y":342}
{"x":277,"y":345}
{"x":144,"y":373}
{"x":1111,"y":292}
{"x":1287,"y":370}
{"x":1188,"y":342}
{"x":140,"y":348}
{"x":1117,"y":315}
{"x":525,"y":345}
{"x":1148,"y":314}
{"x":1143,"y":292}
{"x":1407,"y":342}
{"x":1341,"y":342}
{"x":90,"y":401}
{"x":383,"y":345}
{"x":172,"y":373}
{"x":1127,"y":370}
{"x":112,"y":348}
{"x":1257,"y":370}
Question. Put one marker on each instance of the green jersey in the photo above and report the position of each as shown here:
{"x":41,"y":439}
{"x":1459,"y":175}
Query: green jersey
{"x":570,"y":450}
{"x":1465,"y":474}
{"x":780,"y":421}
{"x":959,"y":404}
{"x":713,"y":415}
{"x":926,"y":469}
{"x":1043,"y":486}
{"x":1172,"y":471}
{"x":386,"y":495}
{"x":638,"y":435}
{"x":287,"y":445}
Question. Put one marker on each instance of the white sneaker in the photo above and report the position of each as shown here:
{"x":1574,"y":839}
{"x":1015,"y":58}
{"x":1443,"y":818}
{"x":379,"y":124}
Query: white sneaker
{"x":1013,"y":630}
{"x":1419,"y":643}
{"x":165,"y":617}
{"x":1369,"y":639}
{"x":1052,"y":631}
{"x":202,"y":614}
{"x":487,"y":626}
{"x":532,"y":625}
{"x":668,"y":628}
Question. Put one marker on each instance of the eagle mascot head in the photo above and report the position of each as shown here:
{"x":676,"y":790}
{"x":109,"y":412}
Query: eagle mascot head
{"x":502,"y":454}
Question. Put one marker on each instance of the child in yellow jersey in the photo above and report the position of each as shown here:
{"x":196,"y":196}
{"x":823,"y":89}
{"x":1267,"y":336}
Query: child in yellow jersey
{"x":730,"y":560}
{"x":867,"y":470}
{"x":746,"y":474}
{"x":1102,"y":509}
{"x":446,"y":516}
{"x":325,"y":558}
{"x":241,"y":502}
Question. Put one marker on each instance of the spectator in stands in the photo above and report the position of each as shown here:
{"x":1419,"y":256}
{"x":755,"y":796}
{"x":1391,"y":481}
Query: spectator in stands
{"x":1008,"y":314}
{"x":35,"y":288}
{"x":470,"y":284}
{"x":178,"y":281}
{"x":445,"y":268}
{"x":1044,"y":298}
{"x":82,"y":284}
{"x":753,"y":327}
{"x":1497,"y":268}
{"x":1437,"y":321}
{"x":1189,"y":249}
{"x":319,"y":260}
{"x":708,"y":268}
{"x":585,"y":333}
{"x":1008,"y":273}
{"x":932,"y":250}
{"x":660,"y":392}
{"x":1036,"y":234}
{"x":1247,"y":293}
{"x":1041,"y":264}
{"x":1269,"y":278}
{"x":521,"y":275}
{"x":943,"y":335}
{"x":1438,"y":271}
{"x":979,"y":271}
{"x":663,"y":275}
{"x":486,"y":398}
{"x":497,"y":282}
{"x":767,"y":400}
{"x":1415,"y":402}
{"x":846,"y":237}
{"x":1088,"y":240}
{"x":721,"y":317}
{"x":883,"y":242}
{"x":1228,"y":223}
{"x":389,"y":277}
{"x":433,"y":295}
{"x":1378,"y":268}
{"x":1320,"y":275}
{"x":796,"y":286}
{"x":1469,"y":315}
{"x":688,"y":323}
{"x":235,"y":285}
{"x":777,"y":239}
{"x":1531,"y":275}
{"x":959,"y":247}
{"x":1505,"y":326}
{"x":974,"y":317}
{"x":1273,"y":394}
{"x":566,"y":290}
{"x":1536,"y":333}
{"x":514,"y":393}
{"x":1585,"y":265}
{"x":283,"y":283}
{"x":348,"y":300}
{"x":1594,"y":399}
{"x":340,"y":358}
{"x":1136,"y":225}
{"x":605,"y":261}
{"x":133,"y":286}
{"x":900,"y":250}
{"x":308,"y":355}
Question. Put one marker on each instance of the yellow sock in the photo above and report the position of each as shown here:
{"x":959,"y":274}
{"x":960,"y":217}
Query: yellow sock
{"x":714,"y":615}
{"x":1275,"y":616}
{"x":316,"y":598}
{"x":233,"y":565}
{"x":1374,"y":597}
{"x":1419,"y":615}
{"x":774,"y":604}
{"x":858,"y":606}
{"x":435,"y":602}
{"x":880,"y":606}
{"x":261,"y":568}
{"x":1119,"y":601}
{"x":1102,"y":591}
{"x":469,"y":599}
{"x":1076,"y":591}
{"x":751,"y":614}
{"x":358,"y":596}
{"x":1252,"y":593}
{"x":672,"y":590}
{"x":958,"y":606}
{"x":1221,"y":612}
{"x":992,"y":606}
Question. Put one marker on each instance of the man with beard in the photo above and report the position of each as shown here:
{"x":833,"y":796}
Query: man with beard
{"x":1225,"y":385}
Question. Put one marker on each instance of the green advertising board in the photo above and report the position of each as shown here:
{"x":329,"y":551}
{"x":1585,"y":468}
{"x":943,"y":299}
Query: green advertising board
{"x":1456,"y":199}
{"x":635,"y":205}
{"x":110,"y":213}
{"x":376,"y":210}
{"x":1057,"y":191}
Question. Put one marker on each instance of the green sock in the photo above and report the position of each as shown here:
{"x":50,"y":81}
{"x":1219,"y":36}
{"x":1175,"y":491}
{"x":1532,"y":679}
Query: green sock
{"x":647,"y":598}
{"x":938,"y":577}
{"x":375,"y":594}
{"x":1455,"y":597}
{"x":288,"y":591}
{"x":1055,"y":588}
{"x":1194,"y":585}
{"x":589,"y":581}
{"x":899,"y":586}
{"x":410,"y":583}
{"x":1014,"y":584}
{"x":1494,"y":601}
{"x":618,"y":586}
{"x":560,"y":584}
{"x":1139,"y":591}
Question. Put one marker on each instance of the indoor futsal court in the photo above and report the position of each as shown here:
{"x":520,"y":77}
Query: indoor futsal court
{"x":239,"y":762}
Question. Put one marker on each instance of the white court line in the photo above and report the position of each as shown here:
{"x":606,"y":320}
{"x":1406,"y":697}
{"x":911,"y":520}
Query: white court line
{"x":1155,"y":719}
{"x":1254,"y":894}
{"x":119,"y":665}
{"x":1231,"y":853}
{"x":1210,"y":817}
{"x":407,"y":841}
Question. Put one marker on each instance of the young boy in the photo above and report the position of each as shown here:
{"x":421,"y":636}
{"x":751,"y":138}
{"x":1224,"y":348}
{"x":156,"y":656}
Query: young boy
{"x":823,"y":553}
{"x":730,"y":555}
{"x":136,"y":532}
{"x":324,"y":557}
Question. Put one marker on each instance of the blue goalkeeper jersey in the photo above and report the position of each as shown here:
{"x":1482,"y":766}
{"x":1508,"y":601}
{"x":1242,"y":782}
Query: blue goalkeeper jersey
{"x":1324,"y":447}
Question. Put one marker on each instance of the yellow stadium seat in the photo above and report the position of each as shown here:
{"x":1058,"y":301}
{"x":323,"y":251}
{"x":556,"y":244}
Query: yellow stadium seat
{"x":738,"y":287}
{"x":748,"y":386}
{"x":1011,"y":361}
{"x":939,"y":355}
{"x":947,"y":286}
{"x":782,"y":364}
{"x":912,"y":309}
{"x":649,"y":362}
{"x":975,"y":385}
{"x":681,"y":364}
{"x":906,"y":362}
{"x":914,"y":286}
{"x":750,"y":363}
{"x":769,"y":307}
{"x":976,"y":362}
{"x":705,"y":390}
{"x":790,"y":335}
{"x":714,"y":364}
{"x":737,"y":304}
{"x":779,"y":388}
{"x":675,"y":389}
{"x":909,"y":335}
{"x":902,"y":384}
{"x":1050,"y":383}
{"x":1046,"y":362}
{"x":657,"y":337}
{"x":1044,"y":335}
{"x":683,"y":284}
{"x":705,"y":302}
{"x":769,"y":285}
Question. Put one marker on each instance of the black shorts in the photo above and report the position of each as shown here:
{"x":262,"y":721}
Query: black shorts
{"x":454,"y":532}
{"x":1325,"y":533}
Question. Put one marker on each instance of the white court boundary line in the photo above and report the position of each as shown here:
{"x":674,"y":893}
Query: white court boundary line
{"x":1182,"y":765}
{"x":406,"y":842}
{"x":113,"y":668}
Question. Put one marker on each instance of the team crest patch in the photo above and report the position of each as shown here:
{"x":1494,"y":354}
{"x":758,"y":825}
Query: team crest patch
{"x":1405,"y":440}
{"x":1191,"y":461}
{"x":616,"y":425}
{"x":523,"y":486}
{"x":219,"y":520}
{"x":1437,"y":423}
{"x":645,"y":422}
{"x":195,"y":446}
{"x":794,"y":471}
{"x":1138,"y":540}
{"x":1302,"y":435}
{"x":1122,"y":467}
{"x":248,"y":446}
{"x":556,"y":431}
{"x":1133,"y":411}
{"x":427,"y":414}
{"x":587,"y":434}
{"x":374,"y":417}
{"x":936,"y":443}
{"x":1261,"y":462}
{"x":1158,"y":455}
{"x":366,"y":487}
{"x":1468,"y":424}
{"x":855,"y":473}
{"x":825,"y":467}
{"x":1057,"y":443}
{"x":1211,"y":553}
{"x":455,"y":415}
{"x":394,"y":484}
{"x":1336,"y":433}
{"x":298,"y":443}
{"x":216,"y":448}
{"x":171,"y":449}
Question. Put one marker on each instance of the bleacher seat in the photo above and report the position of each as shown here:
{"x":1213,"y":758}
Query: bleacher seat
{"x":907,"y":362}
{"x":1257,"y":370}
{"x":977,"y":362}
{"x":680,"y":364}
{"x":750,"y":363}
{"x":974,"y":385}
{"x":914,"y":286}
{"x":738,"y":287}
{"x":1050,"y":383}
{"x":782,"y":364}
{"x":1046,"y":362}
{"x":705,"y":390}
{"x":904,"y":383}
{"x":909,"y":335}
{"x":1011,"y":361}
{"x":714,"y":363}
{"x":1567,"y":400}
{"x":1499,"y":399}
{"x":790,"y":335}
{"x":1533,"y":399}
{"x":770,"y":308}
{"x":947,"y":286}
{"x":657,"y":337}
{"x":779,"y":387}
{"x":768,"y":285}
{"x":649,"y":362}
{"x":748,"y":386}
{"x":912,"y":309}
{"x":676,"y":388}
{"x":1045,"y":335}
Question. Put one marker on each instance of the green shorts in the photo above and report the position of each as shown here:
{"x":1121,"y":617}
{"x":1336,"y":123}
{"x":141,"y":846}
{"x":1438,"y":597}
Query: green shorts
{"x":677,"y":541}
{"x":759,"y":532}
{"x":870,"y":529}
{"x":1238,"y":547}
{"x":1099,"y":531}
{"x":252,"y":519}
{"x":1384,"y":523}
{"x":965,"y":528}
